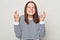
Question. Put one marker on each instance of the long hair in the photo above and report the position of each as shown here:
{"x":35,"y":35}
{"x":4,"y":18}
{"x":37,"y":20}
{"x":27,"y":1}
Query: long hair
{"x":35,"y":16}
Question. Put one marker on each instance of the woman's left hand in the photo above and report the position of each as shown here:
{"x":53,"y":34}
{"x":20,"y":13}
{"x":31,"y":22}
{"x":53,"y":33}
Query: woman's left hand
{"x":42,"y":16}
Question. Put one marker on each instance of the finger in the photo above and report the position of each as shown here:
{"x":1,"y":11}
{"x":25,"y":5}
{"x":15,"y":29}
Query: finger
{"x":41,"y":16}
{"x":44,"y":13}
{"x":15,"y":12}
{"x":16,"y":15}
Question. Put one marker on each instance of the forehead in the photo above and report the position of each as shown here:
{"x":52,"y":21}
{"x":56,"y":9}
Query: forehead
{"x":30,"y":4}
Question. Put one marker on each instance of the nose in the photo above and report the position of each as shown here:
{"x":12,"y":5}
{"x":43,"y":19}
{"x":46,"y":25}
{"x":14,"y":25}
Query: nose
{"x":31,"y":8}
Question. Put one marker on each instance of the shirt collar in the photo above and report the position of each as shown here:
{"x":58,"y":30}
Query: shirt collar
{"x":30,"y":18}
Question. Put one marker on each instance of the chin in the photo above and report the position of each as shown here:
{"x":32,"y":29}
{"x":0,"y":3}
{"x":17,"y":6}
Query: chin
{"x":31,"y":13}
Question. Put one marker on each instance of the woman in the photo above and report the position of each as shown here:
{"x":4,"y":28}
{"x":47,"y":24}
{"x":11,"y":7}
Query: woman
{"x":29,"y":26}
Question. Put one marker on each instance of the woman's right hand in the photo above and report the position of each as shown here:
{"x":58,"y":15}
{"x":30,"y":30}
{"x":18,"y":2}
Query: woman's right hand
{"x":16,"y":16}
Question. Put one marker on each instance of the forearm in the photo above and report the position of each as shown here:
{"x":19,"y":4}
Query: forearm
{"x":42,"y":29}
{"x":17,"y":31}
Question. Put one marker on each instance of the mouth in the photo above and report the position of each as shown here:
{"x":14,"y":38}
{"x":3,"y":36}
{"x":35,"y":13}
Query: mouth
{"x":30,"y":11}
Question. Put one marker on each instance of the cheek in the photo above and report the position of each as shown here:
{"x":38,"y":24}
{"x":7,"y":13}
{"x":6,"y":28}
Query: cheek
{"x":30,"y":12}
{"x":27,"y":10}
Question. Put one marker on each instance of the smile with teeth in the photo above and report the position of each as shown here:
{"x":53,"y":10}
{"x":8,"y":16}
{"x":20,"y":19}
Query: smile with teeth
{"x":31,"y":11}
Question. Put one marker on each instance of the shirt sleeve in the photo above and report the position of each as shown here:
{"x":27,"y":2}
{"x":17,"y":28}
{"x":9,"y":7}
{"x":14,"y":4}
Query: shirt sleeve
{"x":41,"y":22}
{"x":41,"y":29}
{"x":18,"y":28}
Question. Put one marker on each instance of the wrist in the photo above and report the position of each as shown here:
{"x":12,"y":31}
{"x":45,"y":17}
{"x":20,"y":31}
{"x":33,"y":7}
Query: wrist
{"x":16,"y":20}
{"x":41,"y":22}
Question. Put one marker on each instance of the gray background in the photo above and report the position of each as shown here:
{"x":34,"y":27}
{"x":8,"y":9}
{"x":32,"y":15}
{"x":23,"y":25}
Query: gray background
{"x":52,"y":21}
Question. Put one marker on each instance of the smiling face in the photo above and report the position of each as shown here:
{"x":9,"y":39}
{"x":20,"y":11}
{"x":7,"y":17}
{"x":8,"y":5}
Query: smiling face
{"x":30,"y":9}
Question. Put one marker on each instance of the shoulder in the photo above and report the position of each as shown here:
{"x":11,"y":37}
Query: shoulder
{"x":21,"y":17}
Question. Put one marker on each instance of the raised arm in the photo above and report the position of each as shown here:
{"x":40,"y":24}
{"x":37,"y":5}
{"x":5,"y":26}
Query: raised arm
{"x":17,"y":26}
{"x":42,"y":25}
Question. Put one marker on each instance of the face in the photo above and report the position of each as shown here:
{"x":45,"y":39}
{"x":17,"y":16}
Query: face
{"x":30,"y":9}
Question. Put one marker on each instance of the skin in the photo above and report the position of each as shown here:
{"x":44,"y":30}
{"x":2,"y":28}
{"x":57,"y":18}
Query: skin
{"x":30,"y":11}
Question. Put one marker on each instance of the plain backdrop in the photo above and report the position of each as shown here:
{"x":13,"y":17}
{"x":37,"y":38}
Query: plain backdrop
{"x":52,"y":20}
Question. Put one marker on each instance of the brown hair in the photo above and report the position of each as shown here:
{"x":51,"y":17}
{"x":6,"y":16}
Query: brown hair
{"x":35,"y":16}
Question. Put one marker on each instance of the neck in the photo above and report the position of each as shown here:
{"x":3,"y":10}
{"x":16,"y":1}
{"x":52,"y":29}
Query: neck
{"x":30,"y":16}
